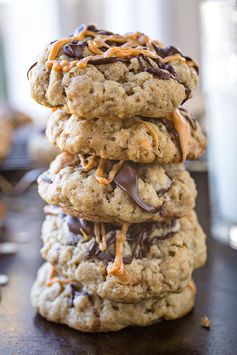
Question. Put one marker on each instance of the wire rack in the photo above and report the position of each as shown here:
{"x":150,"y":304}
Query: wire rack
{"x":18,"y":158}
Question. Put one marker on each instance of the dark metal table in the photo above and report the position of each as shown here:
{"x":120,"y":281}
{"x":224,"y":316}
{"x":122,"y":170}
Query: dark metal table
{"x":23,"y":332}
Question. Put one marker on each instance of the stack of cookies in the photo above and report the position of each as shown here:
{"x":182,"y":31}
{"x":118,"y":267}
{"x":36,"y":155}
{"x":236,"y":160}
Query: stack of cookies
{"x":121,"y":239}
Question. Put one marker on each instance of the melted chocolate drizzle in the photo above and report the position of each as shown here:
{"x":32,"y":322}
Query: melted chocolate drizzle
{"x":46,"y":179}
{"x":75,"y":49}
{"x":190,"y":119}
{"x":31,"y":67}
{"x":163,"y":71}
{"x":170,"y":128}
{"x":77,"y":290}
{"x":138,"y":236}
{"x":127,"y":180}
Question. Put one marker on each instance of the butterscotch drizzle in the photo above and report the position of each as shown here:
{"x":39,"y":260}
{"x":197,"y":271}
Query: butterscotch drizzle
{"x":183,"y":130}
{"x":151,"y":128}
{"x":88,"y":164}
{"x":100,"y":235}
{"x":99,"y":174}
{"x":103,"y":45}
{"x":117,"y":268}
{"x":53,"y":279}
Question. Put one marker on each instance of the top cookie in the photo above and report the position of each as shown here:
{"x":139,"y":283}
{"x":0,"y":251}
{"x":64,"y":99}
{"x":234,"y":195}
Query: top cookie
{"x":97,"y":73}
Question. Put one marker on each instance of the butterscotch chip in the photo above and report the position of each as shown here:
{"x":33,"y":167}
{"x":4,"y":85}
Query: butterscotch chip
{"x":75,"y":306}
{"x":158,"y":259}
{"x":165,"y":192}
{"x":138,"y":139}
{"x":111,"y":76}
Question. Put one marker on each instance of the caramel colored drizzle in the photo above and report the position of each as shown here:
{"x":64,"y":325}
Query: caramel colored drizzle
{"x":52,"y":279}
{"x":182,"y":128}
{"x":192,"y":286}
{"x":117,"y":269}
{"x":100,"y":235}
{"x":152,"y":129}
{"x":84,"y":234}
{"x":57,"y":45}
{"x":99,"y":174}
{"x":88,"y":165}
{"x":116,"y":46}
{"x":174,"y":57}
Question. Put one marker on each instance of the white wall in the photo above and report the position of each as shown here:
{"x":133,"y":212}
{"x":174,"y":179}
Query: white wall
{"x":28,"y":26}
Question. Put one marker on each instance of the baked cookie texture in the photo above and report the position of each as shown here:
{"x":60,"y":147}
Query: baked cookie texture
{"x":142,"y":140}
{"x":169,"y":190}
{"x":73,"y":305}
{"x":159,"y":262}
{"x":143,"y":77}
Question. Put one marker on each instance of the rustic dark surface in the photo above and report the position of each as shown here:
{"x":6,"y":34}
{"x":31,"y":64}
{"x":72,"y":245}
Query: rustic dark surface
{"x":23,"y":332}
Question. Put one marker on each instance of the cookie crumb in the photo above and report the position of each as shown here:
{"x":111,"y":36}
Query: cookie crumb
{"x":205,"y":322}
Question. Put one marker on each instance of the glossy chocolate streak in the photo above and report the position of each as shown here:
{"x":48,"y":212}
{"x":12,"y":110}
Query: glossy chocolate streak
{"x":77,"y":290}
{"x":191,"y":120}
{"x":32,"y":66}
{"x":109,"y":60}
{"x":76,"y":224}
{"x":195,"y":66}
{"x":138,"y":237}
{"x":166,"y":51}
{"x":46,"y":179}
{"x":127,"y":180}
{"x":74,"y":49}
{"x":170,"y":50}
{"x":170,"y":128}
{"x":163,"y":71}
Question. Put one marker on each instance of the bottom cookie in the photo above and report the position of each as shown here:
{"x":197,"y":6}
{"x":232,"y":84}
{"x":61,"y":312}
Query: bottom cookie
{"x":60,"y":301}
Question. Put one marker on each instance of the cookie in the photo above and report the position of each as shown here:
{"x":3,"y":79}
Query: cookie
{"x":157,"y":259}
{"x":9,"y":120}
{"x":40,"y":150}
{"x":107,"y":191}
{"x":139,"y":139}
{"x":97,"y":73}
{"x":64,"y":302}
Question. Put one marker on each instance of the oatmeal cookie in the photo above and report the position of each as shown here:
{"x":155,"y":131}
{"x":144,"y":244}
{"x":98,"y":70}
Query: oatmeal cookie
{"x":158,"y":259}
{"x":129,"y":193}
{"x":64,"y":302}
{"x":97,"y":73}
{"x":139,"y":139}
